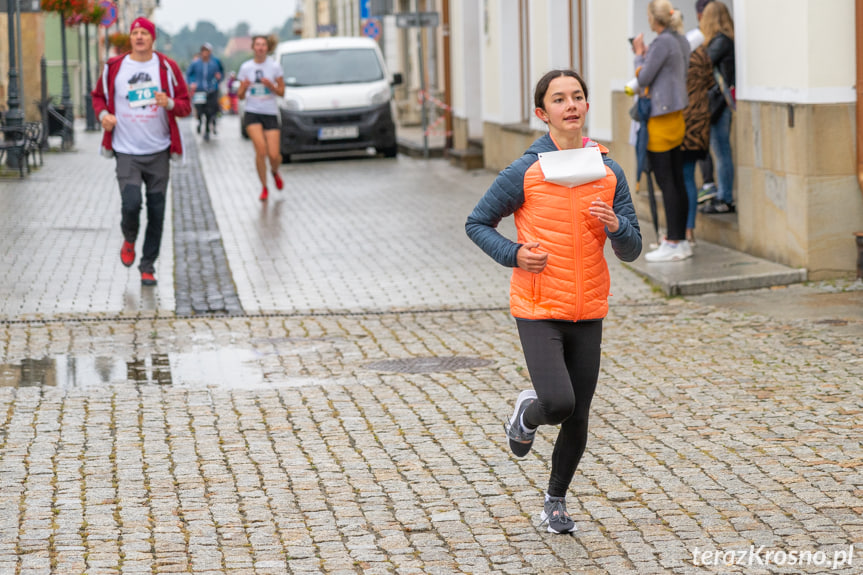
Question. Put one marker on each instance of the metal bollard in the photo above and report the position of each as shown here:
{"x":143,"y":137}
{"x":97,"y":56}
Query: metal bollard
{"x":43,"y":102}
{"x":859,"y":238}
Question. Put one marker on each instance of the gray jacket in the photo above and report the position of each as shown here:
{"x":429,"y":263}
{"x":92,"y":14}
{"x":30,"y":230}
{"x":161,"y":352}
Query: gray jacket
{"x":663,"y":69}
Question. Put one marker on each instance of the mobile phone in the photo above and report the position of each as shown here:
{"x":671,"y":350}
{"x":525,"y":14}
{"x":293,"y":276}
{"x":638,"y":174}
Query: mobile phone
{"x":631,"y":39}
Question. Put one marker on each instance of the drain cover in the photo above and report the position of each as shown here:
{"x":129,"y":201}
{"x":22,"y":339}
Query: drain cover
{"x":428,"y":364}
{"x":832,"y":321}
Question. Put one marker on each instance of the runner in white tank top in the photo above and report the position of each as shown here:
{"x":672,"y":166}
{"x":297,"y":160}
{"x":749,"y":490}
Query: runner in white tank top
{"x":261,"y":82}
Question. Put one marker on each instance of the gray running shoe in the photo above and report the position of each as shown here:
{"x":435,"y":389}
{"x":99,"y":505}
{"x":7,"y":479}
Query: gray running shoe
{"x":708,"y":192}
{"x":555,"y":516}
{"x":520,"y":441}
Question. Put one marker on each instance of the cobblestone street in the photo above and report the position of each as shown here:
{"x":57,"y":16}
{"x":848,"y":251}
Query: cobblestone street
{"x":349,"y":418}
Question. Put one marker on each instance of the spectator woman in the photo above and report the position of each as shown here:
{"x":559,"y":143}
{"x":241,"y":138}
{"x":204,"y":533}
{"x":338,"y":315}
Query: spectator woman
{"x":661,"y":73}
{"x":718,"y":29}
{"x":560,"y":282}
{"x":696,"y":140}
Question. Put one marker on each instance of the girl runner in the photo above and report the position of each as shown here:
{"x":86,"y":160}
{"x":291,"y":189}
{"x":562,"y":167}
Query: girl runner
{"x":260,"y":82}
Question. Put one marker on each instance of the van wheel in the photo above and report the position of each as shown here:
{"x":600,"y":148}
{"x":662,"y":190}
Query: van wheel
{"x":390,"y":151}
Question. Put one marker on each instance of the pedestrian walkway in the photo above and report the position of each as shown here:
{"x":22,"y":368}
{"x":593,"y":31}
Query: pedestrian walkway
{"x":350,"y":419}
{"x":201,"y":275}
{"x":714,"y":268}
{"x":414,"y":142}
{"x":60,"y":242}
{"x":354,"y":234}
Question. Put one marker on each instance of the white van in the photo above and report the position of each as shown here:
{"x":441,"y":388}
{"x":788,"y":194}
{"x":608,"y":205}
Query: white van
{"x":338,"y":96}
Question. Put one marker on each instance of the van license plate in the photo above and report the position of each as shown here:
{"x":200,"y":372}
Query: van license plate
{"x":338,"y":133}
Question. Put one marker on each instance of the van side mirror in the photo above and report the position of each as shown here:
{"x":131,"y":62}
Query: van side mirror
{"x":397,"y":79}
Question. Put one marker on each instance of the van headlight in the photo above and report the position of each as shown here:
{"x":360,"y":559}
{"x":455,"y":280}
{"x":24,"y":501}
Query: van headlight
{"x":292,"y":104}
{"x":381,"y":96}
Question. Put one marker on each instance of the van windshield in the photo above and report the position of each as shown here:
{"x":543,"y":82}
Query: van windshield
{"x":321,"y":67}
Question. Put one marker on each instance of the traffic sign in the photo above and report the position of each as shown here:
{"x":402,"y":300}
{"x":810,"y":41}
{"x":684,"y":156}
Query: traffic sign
{"x":372,"y":28}
{"x":110,"y":15}
{"x":365,"y":10}
{"x":417,"y":19}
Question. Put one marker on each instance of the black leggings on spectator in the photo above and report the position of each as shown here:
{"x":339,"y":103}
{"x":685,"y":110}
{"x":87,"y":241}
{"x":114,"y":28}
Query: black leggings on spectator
{"x":668,"y":169}
{"x":563,"y":360}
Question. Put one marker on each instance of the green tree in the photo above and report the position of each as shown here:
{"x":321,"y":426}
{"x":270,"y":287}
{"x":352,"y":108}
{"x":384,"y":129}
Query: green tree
{"x":207,"y":32}
{"x":241,"y":30}
{"x":287,"y":31}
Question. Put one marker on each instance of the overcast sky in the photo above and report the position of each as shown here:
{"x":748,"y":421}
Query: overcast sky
{"x":262,"y":15}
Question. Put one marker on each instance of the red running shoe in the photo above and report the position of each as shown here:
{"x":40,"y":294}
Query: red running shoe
{"x":264,"y":194}
{"x":278,"y":178}
{"x":148,"y":279}
{"x":127,"y":254}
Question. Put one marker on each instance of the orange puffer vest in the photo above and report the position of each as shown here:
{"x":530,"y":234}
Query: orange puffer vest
{"x":575,"y":283}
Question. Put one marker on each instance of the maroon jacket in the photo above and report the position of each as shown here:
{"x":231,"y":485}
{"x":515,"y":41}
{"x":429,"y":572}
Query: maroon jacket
{"x":172,"y":82}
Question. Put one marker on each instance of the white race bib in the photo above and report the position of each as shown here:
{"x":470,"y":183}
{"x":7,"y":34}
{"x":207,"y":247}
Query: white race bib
{"x":572,"y":168}
{"x":142,"y":94}
{"x":259,"y":91}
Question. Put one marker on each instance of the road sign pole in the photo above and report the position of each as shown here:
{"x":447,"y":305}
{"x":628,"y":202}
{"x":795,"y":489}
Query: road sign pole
{"x":109,"y":18}
{"x":422,"y":88}
{"x":420,"y":20}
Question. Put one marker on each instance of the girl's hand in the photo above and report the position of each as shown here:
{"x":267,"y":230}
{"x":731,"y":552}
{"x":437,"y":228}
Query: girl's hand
{"x":529,"y":260}
{"x":605,"y":214}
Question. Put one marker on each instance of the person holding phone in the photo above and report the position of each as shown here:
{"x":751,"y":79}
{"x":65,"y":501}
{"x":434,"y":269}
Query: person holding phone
{"x":661,"y":75}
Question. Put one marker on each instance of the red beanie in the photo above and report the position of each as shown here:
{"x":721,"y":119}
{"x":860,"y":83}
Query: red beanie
{"x":145,"y":24}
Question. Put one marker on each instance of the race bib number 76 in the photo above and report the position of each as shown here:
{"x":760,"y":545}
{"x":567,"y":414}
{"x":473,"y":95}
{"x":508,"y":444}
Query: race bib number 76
{"x":142,"y":94}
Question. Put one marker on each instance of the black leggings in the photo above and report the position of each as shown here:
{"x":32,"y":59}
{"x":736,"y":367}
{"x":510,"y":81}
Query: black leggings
{"x":563,"y":360}
{"x":668,"y":169}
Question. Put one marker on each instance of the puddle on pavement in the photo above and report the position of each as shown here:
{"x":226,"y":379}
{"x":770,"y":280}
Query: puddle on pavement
{"x":226,"y":367}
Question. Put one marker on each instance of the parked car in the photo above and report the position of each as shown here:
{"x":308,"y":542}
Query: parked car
{"x":338,"y":96}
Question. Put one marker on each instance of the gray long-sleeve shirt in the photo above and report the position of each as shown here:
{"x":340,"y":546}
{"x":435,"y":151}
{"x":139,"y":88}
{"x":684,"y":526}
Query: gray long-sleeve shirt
{"x":663,"y":70}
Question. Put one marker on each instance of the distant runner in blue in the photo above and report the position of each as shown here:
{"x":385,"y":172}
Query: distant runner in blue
{"x":203,"y":77}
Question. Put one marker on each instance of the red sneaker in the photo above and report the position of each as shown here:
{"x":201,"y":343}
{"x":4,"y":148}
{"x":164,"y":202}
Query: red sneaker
{"x":127,"y":254}
{"x":264,"y":194}
{"x":278,"y":178}
{"x":148,"y":279}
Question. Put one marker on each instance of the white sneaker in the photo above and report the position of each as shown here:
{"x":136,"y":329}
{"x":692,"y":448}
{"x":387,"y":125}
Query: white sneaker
{"x":687,"y":247}
{"x":670,"y":252}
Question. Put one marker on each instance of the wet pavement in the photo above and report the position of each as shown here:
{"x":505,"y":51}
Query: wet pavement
{"x":349,"y":420}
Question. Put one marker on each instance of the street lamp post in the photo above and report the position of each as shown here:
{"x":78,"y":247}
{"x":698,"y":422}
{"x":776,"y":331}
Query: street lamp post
{"x":66,"y":98}
{"x":91,"y":115}
{"x":14,"y":115}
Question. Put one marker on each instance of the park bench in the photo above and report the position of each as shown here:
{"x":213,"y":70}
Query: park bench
{"x":24,"y":141}
{"x":33,"y":142}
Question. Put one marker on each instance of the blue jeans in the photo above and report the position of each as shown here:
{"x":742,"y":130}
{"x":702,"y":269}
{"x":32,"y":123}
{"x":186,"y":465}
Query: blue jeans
{"x":720,"y":144}
{"x":691,"y":192}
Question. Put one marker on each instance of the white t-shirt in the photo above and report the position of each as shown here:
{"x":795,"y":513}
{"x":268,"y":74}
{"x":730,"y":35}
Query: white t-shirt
{"x":259,"y":99}
{"x":142,"y":126}
{"x":696,"y":39}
